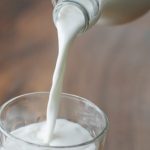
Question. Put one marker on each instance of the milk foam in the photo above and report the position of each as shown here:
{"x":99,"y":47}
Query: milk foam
{"x":66,"y":133}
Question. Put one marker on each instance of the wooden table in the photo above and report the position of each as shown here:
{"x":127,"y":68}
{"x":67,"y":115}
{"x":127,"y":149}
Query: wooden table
{"x":108,"y":65}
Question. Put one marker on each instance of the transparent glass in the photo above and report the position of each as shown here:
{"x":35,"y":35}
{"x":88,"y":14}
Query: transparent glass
{"x":31,"y":108}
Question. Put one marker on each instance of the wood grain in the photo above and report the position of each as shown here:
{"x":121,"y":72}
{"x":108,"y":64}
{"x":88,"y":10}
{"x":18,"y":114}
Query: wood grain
{"x":108,"y":65}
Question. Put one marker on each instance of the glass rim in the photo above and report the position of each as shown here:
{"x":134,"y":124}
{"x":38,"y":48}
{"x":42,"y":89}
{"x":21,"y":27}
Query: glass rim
{"x":78,"y":98}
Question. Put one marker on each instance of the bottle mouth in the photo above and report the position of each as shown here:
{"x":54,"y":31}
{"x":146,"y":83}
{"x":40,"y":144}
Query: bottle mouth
{"x":79,"y":6}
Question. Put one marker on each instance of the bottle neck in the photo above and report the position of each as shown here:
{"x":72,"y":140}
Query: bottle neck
{"x":90,"y":10}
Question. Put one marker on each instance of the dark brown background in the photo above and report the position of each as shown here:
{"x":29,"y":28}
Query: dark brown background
{"x":108,"y":65}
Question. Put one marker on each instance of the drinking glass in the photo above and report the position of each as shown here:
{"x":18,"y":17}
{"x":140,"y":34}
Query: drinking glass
{"x":31,"y":108}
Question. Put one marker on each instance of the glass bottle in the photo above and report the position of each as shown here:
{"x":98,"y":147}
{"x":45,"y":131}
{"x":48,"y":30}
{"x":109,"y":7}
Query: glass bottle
{"x":107,"y":12}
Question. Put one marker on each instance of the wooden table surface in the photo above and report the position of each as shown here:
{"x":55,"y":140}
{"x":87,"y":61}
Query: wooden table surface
{"x":108,"y":65}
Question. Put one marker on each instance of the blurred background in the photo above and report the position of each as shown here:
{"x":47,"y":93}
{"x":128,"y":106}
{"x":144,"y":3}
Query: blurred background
{"x":108,"y":65}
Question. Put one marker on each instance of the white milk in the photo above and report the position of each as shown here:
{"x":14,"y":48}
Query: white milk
{"x":70,"y":22}
{"x":66,"y":133}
